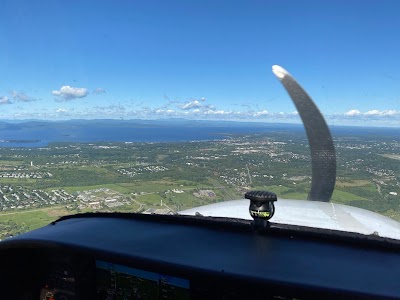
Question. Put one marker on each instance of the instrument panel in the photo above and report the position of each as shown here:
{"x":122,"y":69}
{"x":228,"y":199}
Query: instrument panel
{"x":167,"y":257}
{"x":64,"y":274}
{"x":70,"y":277}
{"x":115,"y":281}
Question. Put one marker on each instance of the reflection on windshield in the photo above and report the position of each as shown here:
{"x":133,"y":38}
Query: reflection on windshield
{"x":157,"y":108}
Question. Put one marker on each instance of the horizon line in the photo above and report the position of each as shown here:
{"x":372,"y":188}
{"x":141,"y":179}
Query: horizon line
{"x":193,"y":120}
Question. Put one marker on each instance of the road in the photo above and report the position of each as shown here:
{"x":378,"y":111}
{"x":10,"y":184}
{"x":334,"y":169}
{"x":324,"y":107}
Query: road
{"x":248,"y":172}
{"x":141,"y":205}
{"x":379,"y":189}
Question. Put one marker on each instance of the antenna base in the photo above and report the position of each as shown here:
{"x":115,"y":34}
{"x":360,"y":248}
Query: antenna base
{"x":261,"y":207}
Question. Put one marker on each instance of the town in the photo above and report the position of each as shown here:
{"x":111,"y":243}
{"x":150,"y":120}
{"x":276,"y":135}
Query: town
{"x":166,"y":177}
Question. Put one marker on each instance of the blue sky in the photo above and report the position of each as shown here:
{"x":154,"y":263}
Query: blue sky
{"x":199,"y":59}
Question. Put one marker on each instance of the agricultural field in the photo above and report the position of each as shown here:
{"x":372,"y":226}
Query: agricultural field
{"x":38,"y":185}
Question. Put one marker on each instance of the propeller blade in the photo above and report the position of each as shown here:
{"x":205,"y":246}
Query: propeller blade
{"x":323,"y":157}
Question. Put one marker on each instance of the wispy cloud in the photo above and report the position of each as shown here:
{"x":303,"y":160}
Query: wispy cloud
{"x":382,"y":113}
{"x":221,"y":114}
{"x":4,"y":100}
{"x":116,"y":110}
{"x":194,"y":108}
{"x":191,"y":105}
{"x":373,"y":117}
{"x":99,"y":91}
{"x":198,"y":108}
{"x":380,"y":118}
{"x":67,"y":92}
{"x":21,"y":97}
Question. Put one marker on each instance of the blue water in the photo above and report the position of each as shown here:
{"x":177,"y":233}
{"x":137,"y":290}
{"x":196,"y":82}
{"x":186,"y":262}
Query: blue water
{"x":46,"y":136}
{"x":39,"y":134}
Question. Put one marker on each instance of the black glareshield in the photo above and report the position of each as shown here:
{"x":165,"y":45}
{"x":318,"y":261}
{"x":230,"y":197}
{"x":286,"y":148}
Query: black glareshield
{"x":323,"y":156}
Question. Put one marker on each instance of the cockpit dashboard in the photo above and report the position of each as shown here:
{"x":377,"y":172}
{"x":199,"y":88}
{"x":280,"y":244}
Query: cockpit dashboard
{"x":133,"y":256}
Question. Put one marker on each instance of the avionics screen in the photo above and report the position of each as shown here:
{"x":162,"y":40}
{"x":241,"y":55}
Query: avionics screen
{"x":120,"y":282}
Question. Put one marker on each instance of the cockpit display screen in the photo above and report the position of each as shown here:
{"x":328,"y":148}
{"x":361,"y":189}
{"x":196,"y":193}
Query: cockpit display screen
{"x":120,"y":282}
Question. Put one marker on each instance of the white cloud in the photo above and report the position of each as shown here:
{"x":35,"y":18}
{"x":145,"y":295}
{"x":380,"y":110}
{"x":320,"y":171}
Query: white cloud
{"x":219,"y":112}
{"x":382,"y":113}
{"x":67,"y":92}
{"x":165,"y":112}
{"x":99,"y":91}
{"x":261,"y":113}
{"x":392,"y":112}
{"x":372,"y":113}
{"x":4,"y":100}
{"x":21,"y":97}
{"x":198,"y":109}
{"x":353,"y":112}
{"x":190,"y":105}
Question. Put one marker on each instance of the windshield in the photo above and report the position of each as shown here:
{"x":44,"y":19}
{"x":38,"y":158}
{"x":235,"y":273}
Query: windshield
{"x":170,"y":106}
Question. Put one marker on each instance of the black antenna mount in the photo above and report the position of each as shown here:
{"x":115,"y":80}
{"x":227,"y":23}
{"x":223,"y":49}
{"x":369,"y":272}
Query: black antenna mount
{"x":261,"y":207}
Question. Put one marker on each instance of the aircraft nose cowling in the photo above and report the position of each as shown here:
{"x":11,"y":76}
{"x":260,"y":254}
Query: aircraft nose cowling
{"x":311,"y":214}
